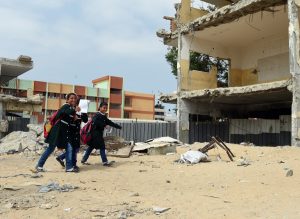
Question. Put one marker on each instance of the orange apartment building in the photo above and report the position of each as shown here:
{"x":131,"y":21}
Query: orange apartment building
{"x":122,"y":104}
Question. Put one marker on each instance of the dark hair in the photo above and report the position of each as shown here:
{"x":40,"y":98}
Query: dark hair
{"x":70,"y":94}
{"x":102,"y":104}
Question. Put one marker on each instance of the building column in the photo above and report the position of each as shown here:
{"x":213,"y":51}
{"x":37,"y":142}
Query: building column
{"x":294,"y":49}
{"x":183,"y":65}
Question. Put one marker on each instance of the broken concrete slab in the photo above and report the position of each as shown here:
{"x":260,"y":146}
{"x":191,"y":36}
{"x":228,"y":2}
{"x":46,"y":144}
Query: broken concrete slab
{"x":158,"y":146}
{"x":114,"y":142}
{"x":232,"y":92}
{"x":124,"y":152}
{"x":155,"y":148}
{"x":159,"y":210}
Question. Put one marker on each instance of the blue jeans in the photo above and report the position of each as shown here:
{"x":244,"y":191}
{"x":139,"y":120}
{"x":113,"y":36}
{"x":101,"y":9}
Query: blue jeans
{"x":45,"y":155}
{"x":89,"y":151}
{"x":69,"y":156}
{"x":75,"y":151}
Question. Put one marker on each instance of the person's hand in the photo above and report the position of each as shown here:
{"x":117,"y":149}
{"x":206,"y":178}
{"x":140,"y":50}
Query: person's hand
{"x":77,"y":109}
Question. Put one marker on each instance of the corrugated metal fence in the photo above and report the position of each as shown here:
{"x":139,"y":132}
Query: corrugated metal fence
{"x":140,"y":131}
{"x":261,"y":132}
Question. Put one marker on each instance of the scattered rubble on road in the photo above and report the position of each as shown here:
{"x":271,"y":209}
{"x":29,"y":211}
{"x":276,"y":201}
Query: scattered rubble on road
{"x":53,"y":186}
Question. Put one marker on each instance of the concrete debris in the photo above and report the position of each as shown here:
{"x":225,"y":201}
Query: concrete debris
{"x":11,"y":188}
{"x":165,"y":140}
{"x":38,"y":129}
{"x":35,"y":99}
{"x":19,"y":141}
{"x":160,"y":210}
{"x":114,"y":142}
{"x":158,"y":146}
{"x":3,"y":126}
{"x":122,"y":215}
{"x":284,"y":85}
{"x":46,"y":206}
{"x":56,"y":187}
{"x":28,"y":201}
{"x":124,"y":152}
{"x":243,"y":162}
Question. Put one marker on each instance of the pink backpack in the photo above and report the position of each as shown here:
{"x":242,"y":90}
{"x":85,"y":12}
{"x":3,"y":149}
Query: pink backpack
{"x":86,"y":132}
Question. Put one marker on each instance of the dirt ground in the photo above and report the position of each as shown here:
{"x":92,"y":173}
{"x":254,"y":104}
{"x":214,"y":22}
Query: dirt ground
{"x":133,"y":186}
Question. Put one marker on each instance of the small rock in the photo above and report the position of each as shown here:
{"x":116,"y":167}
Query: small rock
{"x":243,"y":162}
{"x":155,"y":166}
{"x":67,"y":209}
{"x":142,"y":171}
{"x":135,"y":194}
{"x":160,"y":210}
{"x":280,"y":162}
{"x":11,"y":188}
{"x":122,"y":215}
{"x":35,"y":176}
{"x":168,"y":181}
{"x":9,"y":205}
{"x":168,"y":154}
{"x":289,"y":173}
{"x":46,"y":206}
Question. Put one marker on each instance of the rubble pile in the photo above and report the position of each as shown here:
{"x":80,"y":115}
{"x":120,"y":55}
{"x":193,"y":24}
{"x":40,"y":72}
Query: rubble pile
{"x":19,"y":141}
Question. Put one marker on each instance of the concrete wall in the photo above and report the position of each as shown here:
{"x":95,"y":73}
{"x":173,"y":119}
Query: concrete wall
{"x":188,"y":13}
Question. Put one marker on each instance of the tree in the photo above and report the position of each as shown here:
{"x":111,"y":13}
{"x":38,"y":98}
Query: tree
{"x":201,"y":62}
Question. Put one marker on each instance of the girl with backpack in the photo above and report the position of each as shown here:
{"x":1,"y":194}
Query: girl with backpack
{"x":61,"y":134}
{"x":80,"y":117}
{"x":99,"y":122}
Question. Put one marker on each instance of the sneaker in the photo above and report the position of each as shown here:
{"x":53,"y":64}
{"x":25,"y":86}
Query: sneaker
{"x":108,"y":163}
{"x":72,"y":170}
{"x":85,"y":163}
{"x":39,"y":169}
{"x":61,"y":162}
{"x":76,"y":168}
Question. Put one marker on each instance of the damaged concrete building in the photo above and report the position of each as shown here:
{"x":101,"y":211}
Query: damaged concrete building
{"x":260,"y":40}
{"x":16,"y":112}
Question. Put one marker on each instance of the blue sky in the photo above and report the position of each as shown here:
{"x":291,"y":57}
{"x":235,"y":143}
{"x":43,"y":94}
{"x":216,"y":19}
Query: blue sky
{"x":76,"y":41}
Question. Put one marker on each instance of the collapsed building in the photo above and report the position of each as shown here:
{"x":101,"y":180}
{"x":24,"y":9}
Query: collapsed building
{"x":16,"y":112}
{"x":260,"y":41}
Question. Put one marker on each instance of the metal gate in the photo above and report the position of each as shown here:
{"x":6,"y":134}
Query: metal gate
{"x":18,"y":124}
{"x":203,"y":131}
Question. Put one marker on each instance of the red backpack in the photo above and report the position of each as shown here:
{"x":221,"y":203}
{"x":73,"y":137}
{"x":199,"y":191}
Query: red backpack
{"x":50,"y":123}
{"x":86,"y":132}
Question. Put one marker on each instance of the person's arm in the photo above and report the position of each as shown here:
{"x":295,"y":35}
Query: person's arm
{"x":84,"y":117}
{"x":112,"y":124}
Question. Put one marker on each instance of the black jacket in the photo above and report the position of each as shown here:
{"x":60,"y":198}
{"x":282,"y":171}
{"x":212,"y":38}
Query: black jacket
{"x":76,"y":126}
{"x":100,"y":121}
{"x":61,"y":133}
